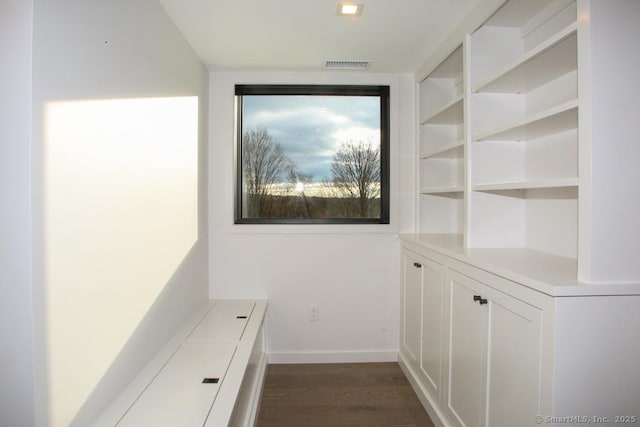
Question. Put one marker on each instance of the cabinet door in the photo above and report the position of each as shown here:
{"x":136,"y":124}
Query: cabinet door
{"x":494,"y":360}
{"x":411,"y":313}
{"x":432,"y":326}
{"x":466,"y":358}
{"x":513,"y":360}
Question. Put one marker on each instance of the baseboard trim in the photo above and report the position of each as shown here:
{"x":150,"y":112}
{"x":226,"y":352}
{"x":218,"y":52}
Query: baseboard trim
{"x":334,"y":357}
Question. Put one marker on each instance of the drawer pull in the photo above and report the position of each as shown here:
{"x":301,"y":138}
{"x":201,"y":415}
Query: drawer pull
{"x":480,"y":299}
{"x":417,"y":265}
{"x":241,"y":317}
{"x":210,"y":380}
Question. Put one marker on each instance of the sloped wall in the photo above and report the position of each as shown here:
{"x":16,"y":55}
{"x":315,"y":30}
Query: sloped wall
{"x":119,"y":196}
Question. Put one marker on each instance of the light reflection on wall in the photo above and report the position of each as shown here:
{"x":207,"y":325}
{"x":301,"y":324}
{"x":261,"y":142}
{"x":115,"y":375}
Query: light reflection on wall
{"x":120,"y":215}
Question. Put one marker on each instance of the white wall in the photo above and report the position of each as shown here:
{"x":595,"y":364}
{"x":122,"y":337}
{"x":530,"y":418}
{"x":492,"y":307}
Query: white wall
{"x":351,"y":272}
{"x":16,"y":322}
{"x":113,"y":277}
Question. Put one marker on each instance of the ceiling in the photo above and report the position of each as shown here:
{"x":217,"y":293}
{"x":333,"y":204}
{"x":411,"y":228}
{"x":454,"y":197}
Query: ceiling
{"x":299,"y":35}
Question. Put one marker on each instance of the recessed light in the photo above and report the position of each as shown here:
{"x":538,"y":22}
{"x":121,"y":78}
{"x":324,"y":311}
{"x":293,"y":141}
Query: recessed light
{"x":349,"y":9}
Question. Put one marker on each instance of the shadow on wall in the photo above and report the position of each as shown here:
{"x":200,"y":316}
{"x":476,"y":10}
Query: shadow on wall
{"x":120,"y":216}
{"x":138,"y":347}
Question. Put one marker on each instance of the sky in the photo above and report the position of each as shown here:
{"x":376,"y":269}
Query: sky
{"x":311,"y":128}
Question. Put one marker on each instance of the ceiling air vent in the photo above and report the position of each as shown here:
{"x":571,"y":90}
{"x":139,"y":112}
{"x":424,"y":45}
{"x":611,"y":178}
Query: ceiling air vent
{"x":347,"y":64}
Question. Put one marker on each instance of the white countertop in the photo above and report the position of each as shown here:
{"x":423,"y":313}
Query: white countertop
{"x":551,"y":274}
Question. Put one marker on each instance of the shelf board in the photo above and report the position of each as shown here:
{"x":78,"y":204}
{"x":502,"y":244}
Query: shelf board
{"x":441,"y":190}
{"x":446,"y":150}
{"x":517,"y":13}
{"x":451,"y":113}
{"x":528,"y":185}
{"x":450,"y":68}
{"x":547,"y":122}
{"x":548,"y":61}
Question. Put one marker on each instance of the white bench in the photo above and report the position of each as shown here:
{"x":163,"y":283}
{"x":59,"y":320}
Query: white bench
{"x":209,"y":375}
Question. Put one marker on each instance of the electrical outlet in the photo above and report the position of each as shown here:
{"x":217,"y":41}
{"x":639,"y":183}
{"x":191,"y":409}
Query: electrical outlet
{"x":314,"y":313}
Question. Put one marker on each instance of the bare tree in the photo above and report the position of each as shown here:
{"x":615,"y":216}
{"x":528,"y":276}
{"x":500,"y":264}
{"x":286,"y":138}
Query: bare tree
{"x":264,"y":163}
{"x":356,"y":172}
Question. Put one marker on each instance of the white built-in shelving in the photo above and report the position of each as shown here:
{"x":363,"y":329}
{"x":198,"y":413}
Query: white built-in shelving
{"x":442,"y":142}
{"x":527,"y":136}
{"x":498,"y":128}
{"x":527,"y":221}
{"x":524,"y":128}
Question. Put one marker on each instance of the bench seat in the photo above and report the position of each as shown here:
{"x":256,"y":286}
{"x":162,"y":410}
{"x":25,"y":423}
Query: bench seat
{"x":209,"y":375}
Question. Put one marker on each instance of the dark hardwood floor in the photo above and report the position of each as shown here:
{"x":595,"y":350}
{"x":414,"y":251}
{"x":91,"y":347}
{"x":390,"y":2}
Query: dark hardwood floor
{"x":341,"y":395}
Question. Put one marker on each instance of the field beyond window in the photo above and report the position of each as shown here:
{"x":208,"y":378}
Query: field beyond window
{"x":312,"y":154}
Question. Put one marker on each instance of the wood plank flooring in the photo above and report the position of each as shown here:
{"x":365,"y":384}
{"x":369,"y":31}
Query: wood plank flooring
{"x":341,"y":395}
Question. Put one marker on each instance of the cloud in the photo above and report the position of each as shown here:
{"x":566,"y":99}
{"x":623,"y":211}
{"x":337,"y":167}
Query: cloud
{"x":311,"y":128}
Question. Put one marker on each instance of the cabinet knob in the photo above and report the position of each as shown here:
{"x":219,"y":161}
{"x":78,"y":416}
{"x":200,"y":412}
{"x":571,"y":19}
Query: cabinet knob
{"x":480,"y":299}
{"x":417,"y":265}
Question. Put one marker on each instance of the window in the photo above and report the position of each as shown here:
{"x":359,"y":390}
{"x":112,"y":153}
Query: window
{"x":312,"y":154}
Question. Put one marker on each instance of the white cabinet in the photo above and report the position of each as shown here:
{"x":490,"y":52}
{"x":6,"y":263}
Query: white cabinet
{"x":430,"y":367}
{"x":513,"y":361}
{"x":422,"y":319}
{"x":473,"y":350}
{"x":466,"y":357}
{"x":494,"y":359}
{"x":411,"y":296}
{"x":502,"y":347}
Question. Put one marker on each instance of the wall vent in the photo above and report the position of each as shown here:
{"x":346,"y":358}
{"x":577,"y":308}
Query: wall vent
{"x":339,"y":64}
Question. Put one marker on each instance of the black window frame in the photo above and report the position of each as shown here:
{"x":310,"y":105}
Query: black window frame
{"x":380,"y":91}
